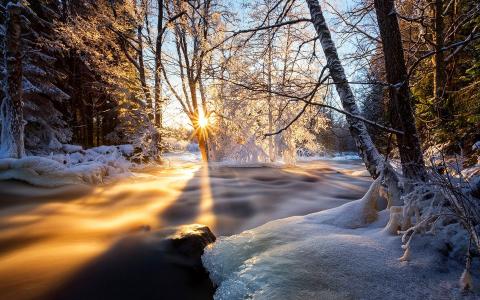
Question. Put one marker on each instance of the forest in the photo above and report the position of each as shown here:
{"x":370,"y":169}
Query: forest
{"x":215,"y":149}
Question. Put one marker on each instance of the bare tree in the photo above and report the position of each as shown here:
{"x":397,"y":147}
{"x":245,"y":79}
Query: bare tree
{"x":192,"y":31}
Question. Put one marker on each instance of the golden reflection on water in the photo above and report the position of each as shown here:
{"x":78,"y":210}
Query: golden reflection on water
{"x":42,"y":245}
{"x":205,"y":215}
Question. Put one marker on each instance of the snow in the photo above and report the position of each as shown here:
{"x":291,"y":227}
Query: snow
{"x":76,"y":166}
{"x":334,"y":157}
{"x":472,"y":172}
{"x":126,"y":149}
{"x":71,"y":148}
{"x":248,"y":153}
{"x":173,"y":144}
{"x":342,"y":253}
{"x":476,"y":146}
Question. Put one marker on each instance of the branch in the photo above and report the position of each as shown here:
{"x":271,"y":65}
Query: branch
{"x":254,"y":30}
{"x":303,"y":99}
{"x":459,"y":45}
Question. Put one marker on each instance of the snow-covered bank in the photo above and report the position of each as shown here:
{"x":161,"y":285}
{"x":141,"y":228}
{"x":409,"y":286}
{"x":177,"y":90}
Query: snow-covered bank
{"x":74,"y":166}
{"x":335,"y":156}
{"x":341,"y":253}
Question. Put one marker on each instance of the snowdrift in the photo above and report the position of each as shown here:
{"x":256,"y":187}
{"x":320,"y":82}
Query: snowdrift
{"x":342,"y":253}
{"x":75,"y":166}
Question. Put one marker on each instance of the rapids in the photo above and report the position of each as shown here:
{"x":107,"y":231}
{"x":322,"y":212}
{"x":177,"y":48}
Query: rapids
{"x":49,"y":236}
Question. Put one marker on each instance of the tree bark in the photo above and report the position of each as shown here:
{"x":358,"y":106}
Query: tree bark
{"x":158,"y":67}
{"x":439,"y":74}
{"x":271,"y":150}
{"x":411,"y":155}
{"x":203,"y":145}
{"x":141,"y":71}
{"x":89,"y":124}
{"x":12,"y":136}
{"x":369,"y":153}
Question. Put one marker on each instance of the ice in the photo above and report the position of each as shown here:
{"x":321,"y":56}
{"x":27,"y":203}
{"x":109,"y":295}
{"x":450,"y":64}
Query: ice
{"x":341,"y":253}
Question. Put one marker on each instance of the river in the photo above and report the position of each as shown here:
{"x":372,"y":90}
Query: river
{"x":49,"y":236}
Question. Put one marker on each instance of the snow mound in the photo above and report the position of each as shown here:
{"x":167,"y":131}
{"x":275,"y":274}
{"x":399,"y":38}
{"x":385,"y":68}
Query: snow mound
{"x":91,"y":166}
{"x":333,"y":254}
{"x":71,"y":148}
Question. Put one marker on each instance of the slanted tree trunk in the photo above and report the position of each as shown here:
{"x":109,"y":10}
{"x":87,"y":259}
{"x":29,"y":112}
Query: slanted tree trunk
{"x":401,"y":106}
{"x":369,"y":153}
{"x":12,"y":136}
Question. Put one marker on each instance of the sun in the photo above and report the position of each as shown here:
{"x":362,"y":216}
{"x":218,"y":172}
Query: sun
{"x":203,"y":121}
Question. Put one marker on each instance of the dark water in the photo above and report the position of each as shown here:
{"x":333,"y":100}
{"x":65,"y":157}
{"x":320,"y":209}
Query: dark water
{"x":54,"y":241}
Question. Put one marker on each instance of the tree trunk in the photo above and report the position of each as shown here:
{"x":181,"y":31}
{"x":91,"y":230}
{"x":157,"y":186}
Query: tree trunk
{"x":271,"y":151}
{"x":142,"y":75}
{"x":369,"y":153}
{"x":89,"y":123}
{"x":201,"y":133}
{"x":12,"y":136}
{"x":158,"y":66}
{"x":411,"y":156}
{"x":202,"y":145}
{"x":439,"y":74}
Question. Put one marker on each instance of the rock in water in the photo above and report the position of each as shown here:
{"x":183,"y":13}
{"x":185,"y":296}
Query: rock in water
{"x":162,"y":264}
{"x":190,"y":240}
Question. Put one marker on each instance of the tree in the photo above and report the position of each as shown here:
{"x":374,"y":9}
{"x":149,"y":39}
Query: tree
{"x":158,"y":65}
{"x":193,"y":32}
{"x":12,"y":136}
{"x":108,"y":96}
{"x":369,"y":153}
{"x":411,"y":154}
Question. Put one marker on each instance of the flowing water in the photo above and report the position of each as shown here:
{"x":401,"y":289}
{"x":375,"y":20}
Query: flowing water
{"x":48,"y":236}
